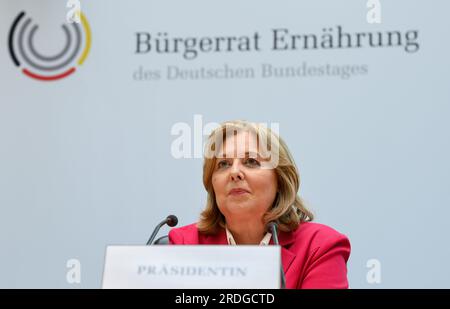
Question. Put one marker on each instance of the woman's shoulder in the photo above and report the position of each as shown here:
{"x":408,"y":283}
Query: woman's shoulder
{"x":320,"y":240}
{"x":186,"y":228}
{"x":317,"y":234}
{"x":184,"y":234}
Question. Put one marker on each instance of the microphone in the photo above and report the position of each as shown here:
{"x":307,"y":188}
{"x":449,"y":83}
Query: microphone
{"x":273,"y":228}
{"x":170,"y":221}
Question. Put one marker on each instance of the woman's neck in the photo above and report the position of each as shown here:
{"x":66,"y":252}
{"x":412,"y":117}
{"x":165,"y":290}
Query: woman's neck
{"x":246,"y":232}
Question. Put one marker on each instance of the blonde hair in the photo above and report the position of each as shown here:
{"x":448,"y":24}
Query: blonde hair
{"x":288,"y":209}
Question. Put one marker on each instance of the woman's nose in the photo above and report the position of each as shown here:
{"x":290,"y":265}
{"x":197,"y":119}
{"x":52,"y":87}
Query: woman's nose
{"x":236,"y":171}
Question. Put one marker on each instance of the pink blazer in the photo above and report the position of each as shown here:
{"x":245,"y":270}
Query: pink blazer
{"x":314,"y":256}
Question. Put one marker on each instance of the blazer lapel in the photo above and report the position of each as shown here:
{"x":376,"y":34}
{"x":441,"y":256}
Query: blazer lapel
{"x":287,"y":257}
{"x":285,"y":239}
{"x":217,"y":239}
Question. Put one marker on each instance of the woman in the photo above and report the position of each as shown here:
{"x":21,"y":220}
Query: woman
{"x":251,"y":180}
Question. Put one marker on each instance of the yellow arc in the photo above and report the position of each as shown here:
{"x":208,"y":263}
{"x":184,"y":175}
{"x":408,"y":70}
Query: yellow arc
{"x":87,"y":31}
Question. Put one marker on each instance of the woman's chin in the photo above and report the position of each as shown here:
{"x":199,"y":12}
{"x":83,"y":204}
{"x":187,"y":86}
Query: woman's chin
{"x":242,"y":209}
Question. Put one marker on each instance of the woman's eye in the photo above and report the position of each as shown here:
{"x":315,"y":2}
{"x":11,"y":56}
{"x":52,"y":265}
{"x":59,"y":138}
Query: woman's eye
{"x":252,"y":162}
{"x":222,"y":164}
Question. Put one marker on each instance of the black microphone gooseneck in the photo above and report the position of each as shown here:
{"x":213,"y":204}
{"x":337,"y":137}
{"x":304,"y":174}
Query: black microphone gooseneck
{"x":273,"y":227}
{"x":170,"y":221}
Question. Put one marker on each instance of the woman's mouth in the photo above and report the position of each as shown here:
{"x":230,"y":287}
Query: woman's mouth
{"x":238,"y":192}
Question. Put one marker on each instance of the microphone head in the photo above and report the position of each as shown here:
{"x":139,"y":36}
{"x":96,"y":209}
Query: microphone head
{"x":271,"y":225}
{"x":172,"y":220}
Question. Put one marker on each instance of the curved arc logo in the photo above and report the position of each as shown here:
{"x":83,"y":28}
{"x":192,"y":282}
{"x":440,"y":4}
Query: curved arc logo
{"x":48,"y":68}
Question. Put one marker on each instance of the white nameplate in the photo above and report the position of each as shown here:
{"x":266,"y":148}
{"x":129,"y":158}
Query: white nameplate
{"x":192,"y":267}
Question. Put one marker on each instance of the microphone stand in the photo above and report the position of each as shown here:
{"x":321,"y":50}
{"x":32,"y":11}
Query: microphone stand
{"x":170,"y":221}
{"x":274,"y":229}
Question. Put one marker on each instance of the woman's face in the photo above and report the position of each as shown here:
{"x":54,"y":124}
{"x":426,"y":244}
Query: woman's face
{"x":243,"y":189}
